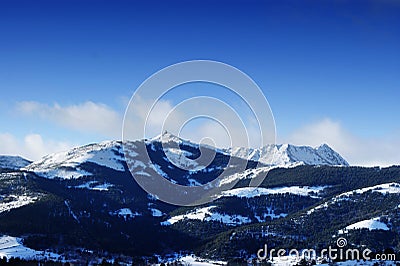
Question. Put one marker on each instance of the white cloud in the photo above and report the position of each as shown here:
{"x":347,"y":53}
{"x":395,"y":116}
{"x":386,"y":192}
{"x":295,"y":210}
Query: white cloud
{"x":8,"y":144}
{"x":201,"y":117}
{"x":100,"y":119}
{"x":208,"y":132}
{"x":357,"y":150}
{"x":138,"y":118}
{"x":85,"y":117}
{"x":31,"y":147}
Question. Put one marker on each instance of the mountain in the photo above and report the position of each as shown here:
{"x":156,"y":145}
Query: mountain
{"x":69,"y":164}
{"x":181,"y":153}
{"x":289,"y":155}
{"x":84,"y":205}
{"x":13,"y":162}
{"x":366,"y":214}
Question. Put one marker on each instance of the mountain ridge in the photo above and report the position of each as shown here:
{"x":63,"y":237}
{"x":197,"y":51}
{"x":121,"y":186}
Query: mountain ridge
{"x":99,"y":206}
{"x":13,"y":162}
{"x":111,"y":154}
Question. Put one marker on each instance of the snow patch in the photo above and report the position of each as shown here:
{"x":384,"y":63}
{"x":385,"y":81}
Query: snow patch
{"x":71,"y":212}
{"x":125,"y":213}
{"x":13,"y":247}
{"x":156,"y":212}
{"x":371,"y":224}
{"x":180,"y":159}
{"x":388,"y":188}
{"x":205,"y":214}
{"x":196,"y":261}
{"x":16,"y":201}
{"x":247,"y":174}
{"x":250,"y":192}
{"x":94,"y":185}
{"x":62,"y":173}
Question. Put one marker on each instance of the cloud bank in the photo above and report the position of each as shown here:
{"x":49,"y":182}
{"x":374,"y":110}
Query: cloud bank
{"x":31,"y":147}
{"x":85,"y":117}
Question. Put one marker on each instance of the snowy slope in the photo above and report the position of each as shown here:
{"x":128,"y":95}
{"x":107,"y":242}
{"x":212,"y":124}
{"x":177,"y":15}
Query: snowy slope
{"x":206,"y":214}
{"x":67,"y":164}
{"x":370,"y":224}
{"x":13,"y":247}
{"x":287,"y":154}
{"x":177,"y":156}
{"x":15,"y":201}
{"x":250,"y":192}
{"x":196,"y":261}
{"x":271,"y":155}
{"x":247,"y":174}
{"x":391,"y":188}
{"x":13,"y":162}
{"x":94,"y":185}
{"x":387,"y":188}
{"x":168,"y":137}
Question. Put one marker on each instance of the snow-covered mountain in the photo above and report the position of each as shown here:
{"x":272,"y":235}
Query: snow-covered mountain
{"x":68,"y":164}
{"x":290,"y":155}
{"x":274,"y":154}
{"x":13,"y":162}
{"x":181,"y":153}
{"x":385,"y":189}
{"x":89,"y":191}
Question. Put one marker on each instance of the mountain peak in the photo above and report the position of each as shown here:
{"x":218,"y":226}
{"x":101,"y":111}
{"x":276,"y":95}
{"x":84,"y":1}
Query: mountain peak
{"x":13,"y":162}
{"x":74,"y":163}
{"x":167,"y":136}
{"x":67,"y":164}
{"x":324,"y":146}
{"x":289,"y":155}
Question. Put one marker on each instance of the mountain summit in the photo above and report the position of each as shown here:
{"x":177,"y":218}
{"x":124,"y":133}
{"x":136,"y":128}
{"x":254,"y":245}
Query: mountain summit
{"x":13,"y":162}
{"x":290,"y":155}
{"x":274,"y":154}
{"x":70,"y":164}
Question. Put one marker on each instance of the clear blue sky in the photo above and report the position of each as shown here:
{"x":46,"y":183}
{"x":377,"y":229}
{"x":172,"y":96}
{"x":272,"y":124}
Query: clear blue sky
{"x":314,"y":60}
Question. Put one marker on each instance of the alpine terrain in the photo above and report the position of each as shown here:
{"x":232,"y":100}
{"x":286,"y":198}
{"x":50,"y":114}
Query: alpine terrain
{"x":84,"y":206}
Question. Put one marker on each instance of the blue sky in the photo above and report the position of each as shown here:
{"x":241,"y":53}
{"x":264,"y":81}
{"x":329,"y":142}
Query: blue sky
{"x":329,"y":69}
